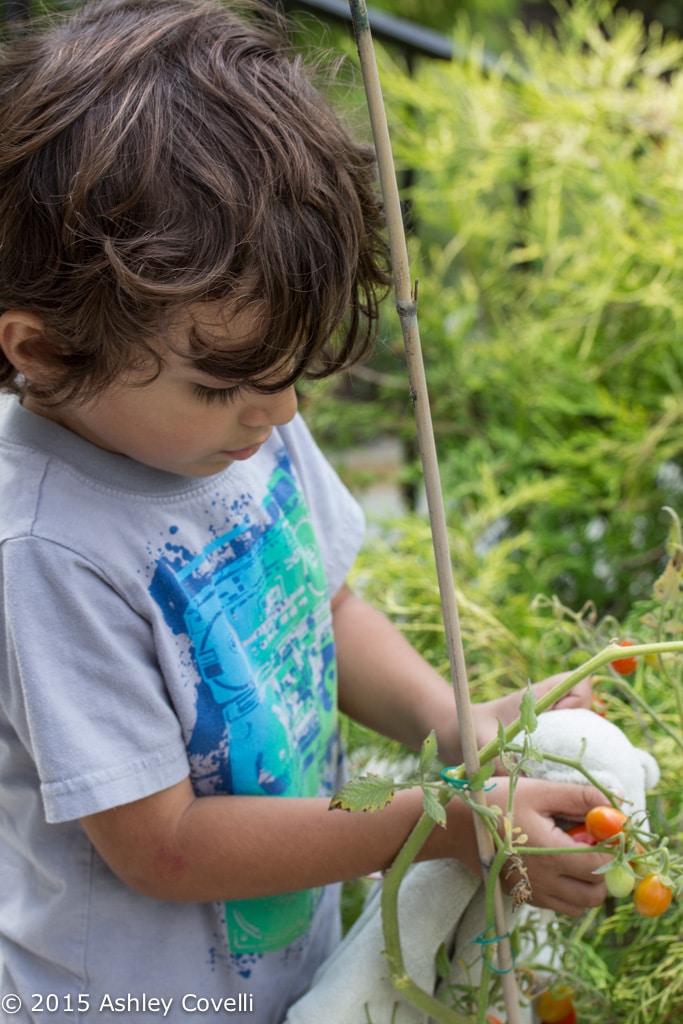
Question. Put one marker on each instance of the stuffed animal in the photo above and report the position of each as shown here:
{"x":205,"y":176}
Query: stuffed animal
{"x":602,"y":748}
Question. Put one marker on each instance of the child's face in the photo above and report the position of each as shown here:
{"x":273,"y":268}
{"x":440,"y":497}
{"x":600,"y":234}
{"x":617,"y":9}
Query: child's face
{"x":184,"y":421}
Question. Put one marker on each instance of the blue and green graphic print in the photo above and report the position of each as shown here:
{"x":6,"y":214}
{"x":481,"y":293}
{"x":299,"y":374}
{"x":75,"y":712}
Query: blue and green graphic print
{"x":254,"y":606}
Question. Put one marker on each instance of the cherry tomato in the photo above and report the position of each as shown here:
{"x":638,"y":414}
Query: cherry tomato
{"x":493,"y":1020}
{"x":571,"y":1018}
{"x":640,"y":867}
{"x":652,"y":896}
{"x":604,"y":822}
{"x":556,"y":1006}
{"x":580,"y":834}
{"x":625,"y":666}
{"x":619,"y":881}
{"x":599,"y":706}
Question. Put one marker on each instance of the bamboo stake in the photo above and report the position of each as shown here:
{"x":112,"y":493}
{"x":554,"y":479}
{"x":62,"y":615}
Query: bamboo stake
{"x":406,"y":305}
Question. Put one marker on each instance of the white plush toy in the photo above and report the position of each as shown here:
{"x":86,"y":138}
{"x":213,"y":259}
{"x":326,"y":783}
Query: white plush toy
{"x":442,"y":903}
{"x":603,"y":749}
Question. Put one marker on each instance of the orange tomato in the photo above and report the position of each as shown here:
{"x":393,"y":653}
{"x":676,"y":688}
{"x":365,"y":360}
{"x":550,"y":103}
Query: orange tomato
{"x":553,"y":1007}
{"x":625,"y":666}
{"x":604,"y":822}
{"x":652,"y":896}
{"x":571,"y":1018}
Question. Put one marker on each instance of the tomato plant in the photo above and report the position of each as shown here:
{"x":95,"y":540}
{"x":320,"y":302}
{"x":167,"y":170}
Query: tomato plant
{"x":619,"y":881}
{"x":555,"y":1007}
{"x":639,"y":864}
{"x":652,"y":896}
{"x":605,"y":822}
{"x":625,"y":666}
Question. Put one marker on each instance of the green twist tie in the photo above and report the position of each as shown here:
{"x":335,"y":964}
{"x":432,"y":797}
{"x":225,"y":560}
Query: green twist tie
{"x":483,"y":941}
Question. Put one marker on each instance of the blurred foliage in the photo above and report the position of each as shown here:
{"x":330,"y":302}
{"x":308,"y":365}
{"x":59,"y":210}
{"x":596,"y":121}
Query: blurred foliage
{"x":547,"y":194}
{"x":491,"y":17}
{"x":625,"y":969}
{"x":621,"y":968}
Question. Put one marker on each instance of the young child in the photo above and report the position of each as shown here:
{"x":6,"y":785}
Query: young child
{"x":185,"y":232}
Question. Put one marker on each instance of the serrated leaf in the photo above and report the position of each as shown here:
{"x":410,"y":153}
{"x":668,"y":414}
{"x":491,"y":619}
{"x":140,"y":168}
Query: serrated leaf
{"x":428,"y":753}
{"x":527,"y":711}
{"x":481,"y":777}
{"x":366,"y":793}
{"x":433,"y":808}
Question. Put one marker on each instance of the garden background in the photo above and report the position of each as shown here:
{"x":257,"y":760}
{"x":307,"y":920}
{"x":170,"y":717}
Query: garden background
{"x":543,"y":192}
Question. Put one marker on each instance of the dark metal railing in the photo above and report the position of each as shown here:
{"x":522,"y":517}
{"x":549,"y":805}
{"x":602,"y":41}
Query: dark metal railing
{"x":411,"y":38}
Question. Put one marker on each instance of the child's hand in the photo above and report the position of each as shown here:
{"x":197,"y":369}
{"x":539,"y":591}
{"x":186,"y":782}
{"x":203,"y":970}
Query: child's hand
{"x":506,"y":709}
{"x":563,"y":882}
{"x":580,"y":695}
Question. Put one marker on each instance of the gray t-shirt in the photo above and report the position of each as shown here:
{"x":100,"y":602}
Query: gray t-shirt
{"x":156,"y":626}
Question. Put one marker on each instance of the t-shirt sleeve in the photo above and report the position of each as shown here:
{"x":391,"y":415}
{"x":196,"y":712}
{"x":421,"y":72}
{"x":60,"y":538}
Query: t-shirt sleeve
{"x":84,"y":690}
{"x":337,"y":517}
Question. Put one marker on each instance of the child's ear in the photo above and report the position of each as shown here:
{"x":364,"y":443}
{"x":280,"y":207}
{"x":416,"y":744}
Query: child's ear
{"x":24,"y":343}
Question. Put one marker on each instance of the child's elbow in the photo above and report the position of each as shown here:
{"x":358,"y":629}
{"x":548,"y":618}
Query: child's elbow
{"x":160,"y":875}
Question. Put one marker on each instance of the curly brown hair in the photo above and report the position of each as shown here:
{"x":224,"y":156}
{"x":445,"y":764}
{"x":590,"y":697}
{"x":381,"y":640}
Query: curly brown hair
{"x":159,"y":153}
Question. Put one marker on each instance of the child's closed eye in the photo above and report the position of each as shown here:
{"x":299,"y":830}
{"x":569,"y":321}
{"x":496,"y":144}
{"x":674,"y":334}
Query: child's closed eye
{"x":222,"y":395}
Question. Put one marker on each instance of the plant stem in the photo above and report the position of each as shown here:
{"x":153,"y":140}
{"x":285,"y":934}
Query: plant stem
{"x":491,"y":750}
{"x":423,"y":1000}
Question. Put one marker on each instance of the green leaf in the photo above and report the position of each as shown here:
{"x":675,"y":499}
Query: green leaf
{"x":527,"y":711}
{"x":480,"y":778}
{"x":433,"y":808}
{"x":428,"y":753}
{"x":501,"y":737}
{"x":667,"y":587}
{"x":443,"y":962}
{"x":366,"y":793}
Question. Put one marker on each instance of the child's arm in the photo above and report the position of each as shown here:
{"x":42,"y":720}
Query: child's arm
{"x":174,"y":845}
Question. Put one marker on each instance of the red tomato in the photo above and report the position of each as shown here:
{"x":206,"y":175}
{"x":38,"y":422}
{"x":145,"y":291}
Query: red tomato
{"x":555,"y":1007}
{"x":604,"y":822}
{"x":580,"y":834}
{"x":599,"y":706}
{"x":625,"y":666}
{"x":652,"y":896}
{"x":571,"y":1018}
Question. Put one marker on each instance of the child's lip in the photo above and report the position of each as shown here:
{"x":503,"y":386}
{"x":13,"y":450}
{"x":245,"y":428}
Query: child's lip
{"x":242,"y":453}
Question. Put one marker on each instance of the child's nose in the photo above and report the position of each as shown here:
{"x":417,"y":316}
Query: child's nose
{"x":270,"y":410}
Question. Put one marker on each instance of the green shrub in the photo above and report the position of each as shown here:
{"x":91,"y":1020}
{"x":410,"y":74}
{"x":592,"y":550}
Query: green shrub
{"x":547,"y":196}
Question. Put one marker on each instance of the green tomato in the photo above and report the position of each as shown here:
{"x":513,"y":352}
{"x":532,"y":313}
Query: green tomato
{"x":619,"y":881}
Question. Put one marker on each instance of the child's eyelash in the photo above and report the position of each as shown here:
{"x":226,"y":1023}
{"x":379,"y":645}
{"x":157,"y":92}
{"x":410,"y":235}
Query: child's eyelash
{"x":223,"y":395}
